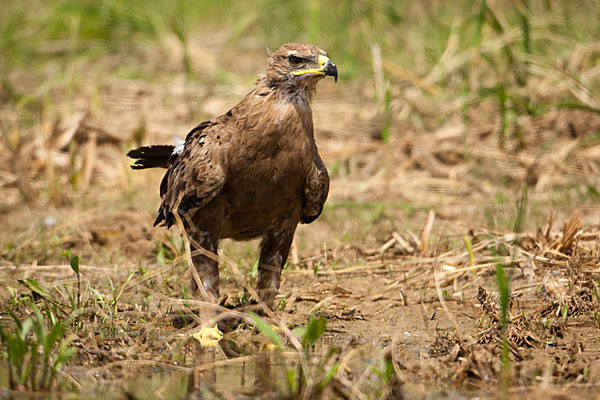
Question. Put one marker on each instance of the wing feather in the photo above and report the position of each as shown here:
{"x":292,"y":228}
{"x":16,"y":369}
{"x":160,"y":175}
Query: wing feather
{"x":316,"y":189}
{"x":195,"y":177}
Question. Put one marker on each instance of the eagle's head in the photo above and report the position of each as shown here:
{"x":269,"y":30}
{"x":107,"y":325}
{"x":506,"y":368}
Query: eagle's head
{"x":298,"y":66}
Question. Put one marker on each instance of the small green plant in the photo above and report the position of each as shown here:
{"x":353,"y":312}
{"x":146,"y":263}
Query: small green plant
{"x":386,"y":367}
{"x":281,"y":305}
{"x":596,"y":317}
{"x":254,"y":270}
{"x":310,"y":333}
{"x":323,"y":369}
{"x":387,"y":114}
{"x":267,"y":330}
{"x":163,"y":255}
{"x":142,"y":270}
{"x":470,"y":250}
{"x":564,"y":312}
{"x":169,"y":249}
{"x":75,"y":267}
{"x":34,"y":360}
{"x":39,"y":292}
{"x":521,"y":210}
{"x":316,"y":268}
{"x":504,"y":291}
{"x":15,"y":298}
{"x":109,"y":307}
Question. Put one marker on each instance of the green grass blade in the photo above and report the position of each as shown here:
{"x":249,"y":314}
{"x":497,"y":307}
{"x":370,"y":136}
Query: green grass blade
{"x":266,"y":329}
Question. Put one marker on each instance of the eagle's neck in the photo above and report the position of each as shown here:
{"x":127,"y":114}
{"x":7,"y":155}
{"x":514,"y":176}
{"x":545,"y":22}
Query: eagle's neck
{"x":297,"y":97}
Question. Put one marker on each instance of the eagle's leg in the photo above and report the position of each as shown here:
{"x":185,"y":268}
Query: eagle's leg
{"x":274,"y":251}
{"x":208,"y":268}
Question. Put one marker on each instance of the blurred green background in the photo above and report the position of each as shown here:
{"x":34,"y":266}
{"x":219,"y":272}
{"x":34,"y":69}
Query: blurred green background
{"x":428,"y":43}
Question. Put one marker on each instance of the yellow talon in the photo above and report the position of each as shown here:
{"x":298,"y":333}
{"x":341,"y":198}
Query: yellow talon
{"x":208,"y":336}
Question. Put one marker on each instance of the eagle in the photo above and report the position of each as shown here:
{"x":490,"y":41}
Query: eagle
{"x":254,"y":171}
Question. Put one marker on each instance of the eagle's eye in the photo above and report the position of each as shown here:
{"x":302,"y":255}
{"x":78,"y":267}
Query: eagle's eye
{"x":295,"y":61}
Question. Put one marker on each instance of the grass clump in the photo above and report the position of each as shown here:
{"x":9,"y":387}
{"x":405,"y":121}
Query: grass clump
{"x":35,"y":351}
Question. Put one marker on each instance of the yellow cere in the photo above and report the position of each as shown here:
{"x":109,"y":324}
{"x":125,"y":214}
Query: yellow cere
{"x":323,"y":60}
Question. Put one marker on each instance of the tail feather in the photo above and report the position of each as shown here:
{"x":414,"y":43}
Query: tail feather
{"x":151,"y":156}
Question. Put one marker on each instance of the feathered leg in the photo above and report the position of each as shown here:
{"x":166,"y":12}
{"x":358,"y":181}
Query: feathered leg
{"x":208,"y":269}
{"x":274,"y":251}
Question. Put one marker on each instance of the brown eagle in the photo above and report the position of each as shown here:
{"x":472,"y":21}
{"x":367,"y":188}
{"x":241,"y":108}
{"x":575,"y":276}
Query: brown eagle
{"x":254,"y":171}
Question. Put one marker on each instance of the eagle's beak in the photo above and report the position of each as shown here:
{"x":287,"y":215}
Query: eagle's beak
{"x":327,"y":68}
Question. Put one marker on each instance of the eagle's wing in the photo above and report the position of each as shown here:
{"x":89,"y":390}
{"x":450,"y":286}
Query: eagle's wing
{"x":316,"y":189}
{"x":196,"y":175}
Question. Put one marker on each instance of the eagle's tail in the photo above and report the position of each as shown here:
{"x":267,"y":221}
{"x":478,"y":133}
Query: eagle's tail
{"x":151,"y":156}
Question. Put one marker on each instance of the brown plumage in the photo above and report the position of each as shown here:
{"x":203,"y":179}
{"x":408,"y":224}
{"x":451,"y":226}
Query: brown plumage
{"x":253,"y":171}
